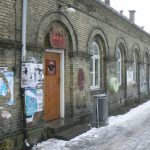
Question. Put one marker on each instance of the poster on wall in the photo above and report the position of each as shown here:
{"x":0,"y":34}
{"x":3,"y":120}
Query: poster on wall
{"x":10,"y":80}
{"x":33,"y":102}
{"x":3,"y":69}
{"x":7,"y":86}
{"x":3,"y":82}
{"x":28,"y":78}
{"x":39,"y":100}
{"x":31,"y":75}
{"x":3,"y":87}
{"x":39,"y":74}
{"x":30,"y":102}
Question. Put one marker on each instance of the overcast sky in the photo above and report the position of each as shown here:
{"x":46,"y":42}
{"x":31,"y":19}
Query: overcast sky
{"x":142,"y":8}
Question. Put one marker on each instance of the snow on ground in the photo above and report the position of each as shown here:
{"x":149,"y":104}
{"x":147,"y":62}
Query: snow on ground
{"x":130,"y":131}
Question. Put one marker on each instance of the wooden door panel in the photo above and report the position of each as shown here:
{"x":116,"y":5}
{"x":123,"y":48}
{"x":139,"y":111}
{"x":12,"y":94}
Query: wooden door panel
{"x":52,"y":86}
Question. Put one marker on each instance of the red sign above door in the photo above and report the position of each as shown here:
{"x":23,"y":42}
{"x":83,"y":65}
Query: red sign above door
{"x":57,"y":37}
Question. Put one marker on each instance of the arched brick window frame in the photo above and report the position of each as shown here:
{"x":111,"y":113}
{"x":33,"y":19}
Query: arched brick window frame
{"x":136,"y":63}
{"x":146,"y":70}
{"x":121,"y":47}
{"x":95,"y":66}
{"x":98,"y":36}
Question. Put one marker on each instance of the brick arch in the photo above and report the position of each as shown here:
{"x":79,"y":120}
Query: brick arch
{"x":146,"y":53}
{"x":44,"y":27}
{"x":136,"y":49}
{"x":99,"y":36}
{"x":121,"y":43}
{"x":98,"y":33}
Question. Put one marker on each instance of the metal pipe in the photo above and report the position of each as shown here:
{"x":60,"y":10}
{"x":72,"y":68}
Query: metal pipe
{"x":24,"y":26}
{"x":23,"y":59}
{"x":97,"y":111}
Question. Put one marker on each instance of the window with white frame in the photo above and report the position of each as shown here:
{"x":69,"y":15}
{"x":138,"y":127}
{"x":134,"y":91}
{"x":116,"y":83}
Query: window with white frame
{"x":134,"y":68}
{"x":119,"y":65}
{"x":94,"y":66}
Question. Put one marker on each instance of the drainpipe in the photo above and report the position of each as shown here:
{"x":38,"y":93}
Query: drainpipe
{"x":24,"y":25}
{"x":23,"y":60}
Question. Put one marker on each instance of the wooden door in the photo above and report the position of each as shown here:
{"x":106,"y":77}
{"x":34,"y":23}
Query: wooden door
{"x":52,"y":86}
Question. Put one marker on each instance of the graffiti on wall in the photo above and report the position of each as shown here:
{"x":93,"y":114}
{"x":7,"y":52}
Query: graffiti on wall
{"x":81,"y":79}
{"x":113,"y":84}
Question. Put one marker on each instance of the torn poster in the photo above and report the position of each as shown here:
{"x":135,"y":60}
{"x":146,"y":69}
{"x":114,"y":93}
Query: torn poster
{"x":28,"y":78}
{"x":39,"y":74}
{"x":10,"y":79}
{"x":30,"y":102}
{"x":39,"y":100}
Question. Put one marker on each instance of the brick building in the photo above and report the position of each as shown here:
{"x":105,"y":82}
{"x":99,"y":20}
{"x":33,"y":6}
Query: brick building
{"x":66,"y":58}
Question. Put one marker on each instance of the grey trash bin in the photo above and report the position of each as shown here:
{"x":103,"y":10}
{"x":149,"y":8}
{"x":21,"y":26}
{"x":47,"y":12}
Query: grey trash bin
{"x":100,"y":110}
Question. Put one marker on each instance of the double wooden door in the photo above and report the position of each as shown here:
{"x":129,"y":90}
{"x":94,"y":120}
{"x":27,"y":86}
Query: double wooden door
{"x":52,"y":86}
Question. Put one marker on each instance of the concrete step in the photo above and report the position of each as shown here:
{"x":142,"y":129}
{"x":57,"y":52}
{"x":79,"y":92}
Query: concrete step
{"x":61,"y":124}
{"x":72,"y":132}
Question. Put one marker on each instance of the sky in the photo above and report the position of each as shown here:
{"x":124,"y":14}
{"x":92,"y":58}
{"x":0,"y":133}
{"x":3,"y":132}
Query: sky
{"x":142,"y":15}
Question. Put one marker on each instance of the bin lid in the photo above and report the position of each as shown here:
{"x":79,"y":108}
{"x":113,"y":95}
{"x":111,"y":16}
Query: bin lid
{"x":100,"y":95}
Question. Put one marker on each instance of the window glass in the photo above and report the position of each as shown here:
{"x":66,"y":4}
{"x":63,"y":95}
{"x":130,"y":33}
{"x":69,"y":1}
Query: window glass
{"x":119,"y":65}
{"x":96,"y":72}
{"x":95,"y":49}
{"x":134,"y":67}
{"x":94,"y":66}
{"x":146,"y":67}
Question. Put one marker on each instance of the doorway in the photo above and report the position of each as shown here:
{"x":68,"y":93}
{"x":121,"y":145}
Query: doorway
{"x":54,"y":85}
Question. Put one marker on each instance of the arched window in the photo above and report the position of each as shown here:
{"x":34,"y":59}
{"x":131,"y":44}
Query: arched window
{"x":146,"y":68}
{"x":119,"y":65}
{"x":134,"y":68}
{"x":94,"y":66}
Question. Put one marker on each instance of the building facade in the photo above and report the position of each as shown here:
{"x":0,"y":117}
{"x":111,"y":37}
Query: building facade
{"x":69,"y":58}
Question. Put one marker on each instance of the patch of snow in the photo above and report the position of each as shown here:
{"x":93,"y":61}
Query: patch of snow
{"x":51,"y":144}
{"x":124,"y":132}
